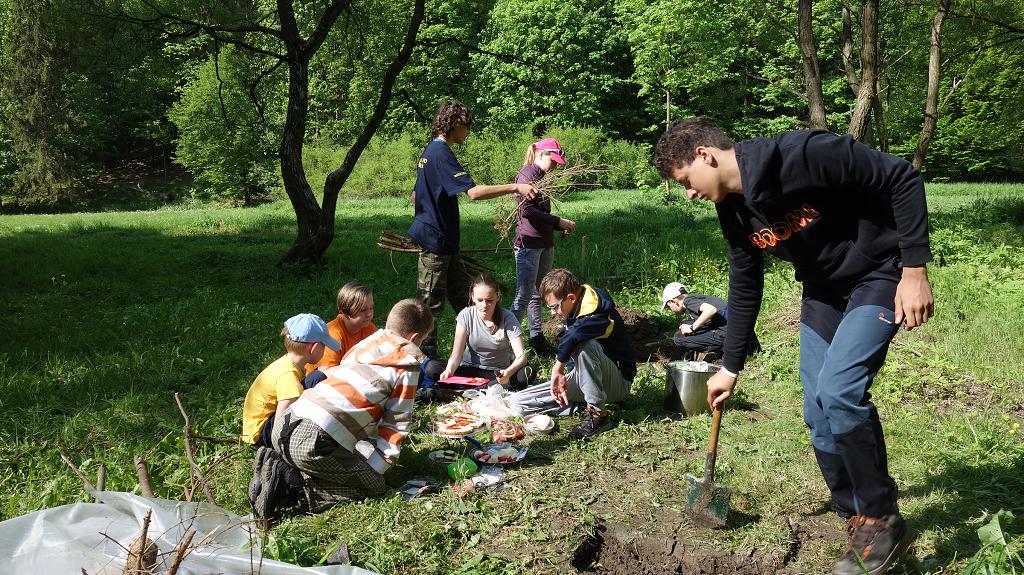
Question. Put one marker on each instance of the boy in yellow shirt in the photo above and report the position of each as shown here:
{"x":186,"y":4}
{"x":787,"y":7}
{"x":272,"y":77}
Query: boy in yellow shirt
{"x":280,"y":383}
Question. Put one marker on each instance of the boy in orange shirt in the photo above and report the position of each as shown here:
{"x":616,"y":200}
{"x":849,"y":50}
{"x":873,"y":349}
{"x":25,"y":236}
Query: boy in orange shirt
{"x":353,"y":324}
{"x":280,"y":383}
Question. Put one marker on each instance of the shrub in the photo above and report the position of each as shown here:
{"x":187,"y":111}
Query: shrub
{"x":388,"y":165}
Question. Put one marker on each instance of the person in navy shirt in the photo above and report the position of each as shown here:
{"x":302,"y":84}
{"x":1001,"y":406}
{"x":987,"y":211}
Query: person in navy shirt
{"x":854,"y":223}
{"x":440,"y":179}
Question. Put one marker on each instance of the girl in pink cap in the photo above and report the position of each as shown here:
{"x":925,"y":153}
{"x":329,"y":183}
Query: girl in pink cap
{"x":534,"y":243}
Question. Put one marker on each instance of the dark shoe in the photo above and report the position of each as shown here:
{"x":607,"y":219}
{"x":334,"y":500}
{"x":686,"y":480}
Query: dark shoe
{"x":424,"y":395}
{"x":273,"y":487}
{"x":541,"y":346}
{"x":875,"y":544}
{"x":592,"y":424}
{"x":255,"y":486}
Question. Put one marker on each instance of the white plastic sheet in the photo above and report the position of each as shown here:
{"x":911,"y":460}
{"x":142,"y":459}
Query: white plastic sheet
{"x":70,"y":538}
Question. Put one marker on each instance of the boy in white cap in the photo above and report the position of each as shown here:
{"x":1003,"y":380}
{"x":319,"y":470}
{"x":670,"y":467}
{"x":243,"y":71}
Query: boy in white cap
{"x":280,"y":383}
{"x":705,"y":330}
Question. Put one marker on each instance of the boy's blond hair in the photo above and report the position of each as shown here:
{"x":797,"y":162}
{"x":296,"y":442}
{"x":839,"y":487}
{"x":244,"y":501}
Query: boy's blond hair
{"x":410,"y":316}
{"x":352,"y":298}
{"x":559,"y":282}
{"x":299,"y":347}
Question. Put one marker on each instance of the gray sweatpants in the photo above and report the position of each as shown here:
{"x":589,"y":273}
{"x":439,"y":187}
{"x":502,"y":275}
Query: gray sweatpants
{"x":594,"y":381}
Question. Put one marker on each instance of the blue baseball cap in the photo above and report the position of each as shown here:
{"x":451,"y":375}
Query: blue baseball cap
{"x":309,"y":328}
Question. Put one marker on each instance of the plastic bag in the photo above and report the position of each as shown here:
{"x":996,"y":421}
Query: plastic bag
{"x":492,"y":403}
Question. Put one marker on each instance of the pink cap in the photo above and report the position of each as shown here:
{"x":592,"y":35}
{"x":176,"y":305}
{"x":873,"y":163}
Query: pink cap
{"x":551,"y":145}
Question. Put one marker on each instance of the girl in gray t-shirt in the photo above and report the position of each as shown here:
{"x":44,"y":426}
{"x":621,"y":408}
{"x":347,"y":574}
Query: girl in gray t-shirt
{"x":488,"y":339}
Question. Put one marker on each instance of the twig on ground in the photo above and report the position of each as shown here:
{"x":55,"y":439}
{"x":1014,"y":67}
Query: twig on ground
{"x":197,"y":473}
{"x":143,"y":472}
{"x":78,"y":472}
{"x":101,"y":480}
{"x":183,"y":550}
{"x":224,"y":440}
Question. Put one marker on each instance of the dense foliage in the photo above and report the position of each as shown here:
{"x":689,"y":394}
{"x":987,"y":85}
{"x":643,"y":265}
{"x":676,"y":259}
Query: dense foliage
{"x":87,"y":94}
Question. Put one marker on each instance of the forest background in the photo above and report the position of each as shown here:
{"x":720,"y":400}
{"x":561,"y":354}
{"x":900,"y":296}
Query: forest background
{"x":118,"y":103}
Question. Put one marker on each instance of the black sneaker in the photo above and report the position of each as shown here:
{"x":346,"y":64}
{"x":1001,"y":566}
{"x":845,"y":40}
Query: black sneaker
{"x":592,"y":424}
{"x":273,"y":487}
{"x":255,"y":485}
{"x":424,"y":395}
{"x":875,"y":544}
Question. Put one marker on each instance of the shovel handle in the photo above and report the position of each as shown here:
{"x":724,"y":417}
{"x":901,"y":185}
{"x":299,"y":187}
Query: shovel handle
{"x":709,"y":462}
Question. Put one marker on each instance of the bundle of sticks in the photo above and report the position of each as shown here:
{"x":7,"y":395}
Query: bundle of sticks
{"x":394,"y":242}
{"x":552,"y":185}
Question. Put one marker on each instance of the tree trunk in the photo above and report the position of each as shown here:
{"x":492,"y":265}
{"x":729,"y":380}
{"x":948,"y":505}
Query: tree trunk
{"x":847,"y":38}
{"x":312,"y":239}
{"x":931,"y":102}
{"x":812,"y":72}
{"x":337,"y":178}
{"x":868,"y":71}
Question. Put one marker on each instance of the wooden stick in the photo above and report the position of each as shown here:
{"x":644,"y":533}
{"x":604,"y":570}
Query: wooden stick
{"x":183,"y":550}
{"x":78,"y":472}
{"x":140,"y":469}
{"x":198,"y":473}
{"x":139,"y":559}
{"x":394,"y":249}
{"x":224,"y":440}
{"x":101,"y":480}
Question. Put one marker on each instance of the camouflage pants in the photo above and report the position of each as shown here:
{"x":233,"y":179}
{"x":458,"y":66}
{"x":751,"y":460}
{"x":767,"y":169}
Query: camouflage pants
{"x":441,"y":277}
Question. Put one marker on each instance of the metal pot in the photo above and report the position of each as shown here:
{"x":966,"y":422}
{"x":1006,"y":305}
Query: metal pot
{"x":686,"y":387}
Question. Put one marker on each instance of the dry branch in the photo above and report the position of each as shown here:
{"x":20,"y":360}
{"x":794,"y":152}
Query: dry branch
{"x":183,"y":550}
{"x":101,"y":480}
{"x":78,"y":472}
{"x":144,"y":484}
{"x":552,"y":186}
{"x":196,"y":472}
{"x":391,"y":241}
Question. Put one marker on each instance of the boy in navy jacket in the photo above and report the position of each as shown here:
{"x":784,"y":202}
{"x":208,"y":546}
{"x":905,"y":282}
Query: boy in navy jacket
{"x":596,"y":341}
{"x":440,"y":180}
{"x":854,"y":223}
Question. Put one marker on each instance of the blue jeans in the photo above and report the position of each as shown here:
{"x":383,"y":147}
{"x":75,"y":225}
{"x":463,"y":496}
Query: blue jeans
{"x":532,"y":264}
{"x":844,"y":337}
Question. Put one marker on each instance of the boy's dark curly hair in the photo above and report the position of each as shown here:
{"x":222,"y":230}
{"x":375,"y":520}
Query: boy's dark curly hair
{"x":449,"y":115}
{"x":675,"y":148}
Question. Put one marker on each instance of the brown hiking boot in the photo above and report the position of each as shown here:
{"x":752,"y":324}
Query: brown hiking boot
{"x":874,"y":545}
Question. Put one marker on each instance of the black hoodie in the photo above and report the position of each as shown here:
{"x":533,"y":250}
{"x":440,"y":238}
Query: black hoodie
{"x":834,"y":207}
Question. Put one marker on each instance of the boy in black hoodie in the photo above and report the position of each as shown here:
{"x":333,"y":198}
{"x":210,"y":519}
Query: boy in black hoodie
{"x":854,"y":223}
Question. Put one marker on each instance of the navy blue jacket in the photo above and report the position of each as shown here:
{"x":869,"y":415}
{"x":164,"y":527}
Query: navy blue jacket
{"x":832,"y":206}
{"x":595,"y":317}
{"x":440,"y":178}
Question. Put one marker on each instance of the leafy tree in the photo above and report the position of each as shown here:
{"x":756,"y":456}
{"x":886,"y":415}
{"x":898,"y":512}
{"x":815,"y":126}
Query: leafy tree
{"x":570,"y":67}
{"x":36,"y":116}
{"x":227,"y":133}
{"x":290,"y":34}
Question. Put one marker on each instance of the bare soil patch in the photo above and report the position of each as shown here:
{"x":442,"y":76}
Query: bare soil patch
{"x":673,"y":545}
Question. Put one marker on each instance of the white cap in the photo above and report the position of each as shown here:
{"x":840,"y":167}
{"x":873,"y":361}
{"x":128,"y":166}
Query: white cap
{"x":672,"y":291}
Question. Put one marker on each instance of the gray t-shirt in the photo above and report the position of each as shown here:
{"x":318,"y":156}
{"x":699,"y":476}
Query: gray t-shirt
{"x":484,"y":349}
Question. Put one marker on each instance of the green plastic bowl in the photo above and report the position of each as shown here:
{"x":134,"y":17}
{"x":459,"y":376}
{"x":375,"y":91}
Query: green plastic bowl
{"x":462,"y":469}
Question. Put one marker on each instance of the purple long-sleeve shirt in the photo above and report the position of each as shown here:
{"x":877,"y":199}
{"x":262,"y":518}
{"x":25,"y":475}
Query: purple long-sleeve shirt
{"x":536,"y":223}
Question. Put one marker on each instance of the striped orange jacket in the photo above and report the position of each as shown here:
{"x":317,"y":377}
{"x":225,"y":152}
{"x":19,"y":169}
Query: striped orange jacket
{"x":368,"y":396}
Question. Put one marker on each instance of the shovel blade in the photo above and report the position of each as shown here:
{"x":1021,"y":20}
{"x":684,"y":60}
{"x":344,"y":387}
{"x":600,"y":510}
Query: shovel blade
{"x":707,"y":504}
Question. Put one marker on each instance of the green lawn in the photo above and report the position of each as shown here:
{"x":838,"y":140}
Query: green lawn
{"x":106,"y":315}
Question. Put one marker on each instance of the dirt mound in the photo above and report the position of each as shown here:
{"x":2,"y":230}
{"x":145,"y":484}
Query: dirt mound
{"x":674,"y":546}
{"x":650,"y":335}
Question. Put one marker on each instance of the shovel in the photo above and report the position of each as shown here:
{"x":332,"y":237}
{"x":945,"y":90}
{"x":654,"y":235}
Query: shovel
{"x":707,"y":502}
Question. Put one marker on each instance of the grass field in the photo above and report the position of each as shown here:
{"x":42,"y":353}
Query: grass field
{"x":106,"y":315}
